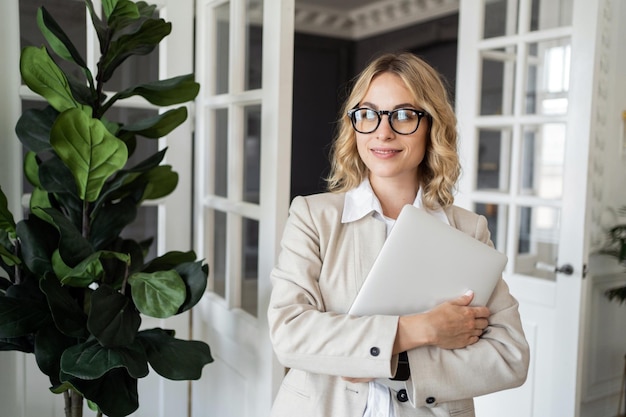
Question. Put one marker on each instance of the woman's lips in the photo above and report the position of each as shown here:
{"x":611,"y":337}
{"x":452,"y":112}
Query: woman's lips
{"x":384,"y":153}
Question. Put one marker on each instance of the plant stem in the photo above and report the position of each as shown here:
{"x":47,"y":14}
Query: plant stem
{"x":73,"y":404}
{"x":77,"y":404}
{"x":85,"y":231}
{"x":123,"y":289}
{"x":68,"y":405}
{"x":18,"y":269}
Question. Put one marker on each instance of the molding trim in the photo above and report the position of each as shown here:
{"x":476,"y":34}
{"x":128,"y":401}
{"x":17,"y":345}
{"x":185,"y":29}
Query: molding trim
{"x":365,"y":21}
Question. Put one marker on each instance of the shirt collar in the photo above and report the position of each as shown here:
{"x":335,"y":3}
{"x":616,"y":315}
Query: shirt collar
{"x":361,"y":201}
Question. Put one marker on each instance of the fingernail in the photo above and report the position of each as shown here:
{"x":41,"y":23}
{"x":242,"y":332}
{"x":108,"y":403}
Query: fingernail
{"x":469,"y":292}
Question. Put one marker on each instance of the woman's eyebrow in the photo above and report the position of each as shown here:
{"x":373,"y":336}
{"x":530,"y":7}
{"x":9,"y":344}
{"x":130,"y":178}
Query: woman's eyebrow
{"x":397,"y":106}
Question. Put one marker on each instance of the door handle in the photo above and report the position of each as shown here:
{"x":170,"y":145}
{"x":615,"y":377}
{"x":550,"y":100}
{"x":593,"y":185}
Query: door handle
{"x":566,"y":269}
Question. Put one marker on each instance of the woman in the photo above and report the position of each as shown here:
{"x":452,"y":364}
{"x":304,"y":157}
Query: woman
{"x":396,"y":145}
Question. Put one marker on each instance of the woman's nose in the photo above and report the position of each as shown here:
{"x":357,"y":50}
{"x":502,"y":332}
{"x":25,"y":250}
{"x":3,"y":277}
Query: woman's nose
{"x":384,"y":131}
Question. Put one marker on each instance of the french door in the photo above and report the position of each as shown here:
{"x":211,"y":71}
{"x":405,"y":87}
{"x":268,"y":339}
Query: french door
{"x":244,"y":54}
{"x":525,"y":95}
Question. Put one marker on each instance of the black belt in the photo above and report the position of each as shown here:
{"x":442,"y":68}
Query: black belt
{"x":403,"y":372}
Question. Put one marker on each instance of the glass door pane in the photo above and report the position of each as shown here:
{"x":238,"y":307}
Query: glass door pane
{"x":549,"y":14}
{"x":494,"y":159}
{"x":543,"y":154}
{"x":547,"y":77}
{"x":221,"y":24}
{"x":254,"y":44}
{"x":497,"y":81}
{"x":502,"y":19}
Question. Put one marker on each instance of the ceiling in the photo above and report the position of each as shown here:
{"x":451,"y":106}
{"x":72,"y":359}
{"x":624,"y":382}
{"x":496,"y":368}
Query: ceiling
{"x":358,"y":19}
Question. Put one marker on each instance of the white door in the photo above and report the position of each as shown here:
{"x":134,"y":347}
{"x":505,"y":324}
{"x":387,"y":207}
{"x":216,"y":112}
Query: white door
{"x":244,"y":54}
{"x":525,"y":97}
{"x":168,"y":220}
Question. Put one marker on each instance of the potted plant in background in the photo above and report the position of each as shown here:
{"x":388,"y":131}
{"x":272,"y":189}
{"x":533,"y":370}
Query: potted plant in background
{"x":73,"y":289}
{"x":616,"y":247}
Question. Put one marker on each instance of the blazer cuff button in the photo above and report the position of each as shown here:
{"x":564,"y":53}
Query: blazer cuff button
{"x":431,"y":402}
{"x":374,"y":351}
{"x":402,"y":396}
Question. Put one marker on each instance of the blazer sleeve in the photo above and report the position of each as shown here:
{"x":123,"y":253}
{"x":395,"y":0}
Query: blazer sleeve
{"x":304,"y":335}
{"x":499,"y":360}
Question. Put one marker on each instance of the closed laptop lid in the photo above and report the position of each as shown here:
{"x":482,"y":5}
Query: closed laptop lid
{"x":425,"y":262}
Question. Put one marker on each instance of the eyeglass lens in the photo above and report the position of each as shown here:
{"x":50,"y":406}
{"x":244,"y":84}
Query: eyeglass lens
{"x":403,"y":121}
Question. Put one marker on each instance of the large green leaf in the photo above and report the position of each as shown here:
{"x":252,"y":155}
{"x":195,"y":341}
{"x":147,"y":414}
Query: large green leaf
{"x":142,"y":42}
{"x":124,"y":182}
{"x":146,"y":10}
{"x":194,"y":274}
{"x":49,"y":346}
{"x":33,"y":128}
{"x":20,"y":344}
{"x":7,"y":223}
{"x":38,"y":242}
{"x":58,"y":39}
{"x":20,"y":317}
{"x":159,"y":294}
{"x":173,"y":358}
{"x":127,"y":25}
{"x":123,"y":14}
{"x":113,"y":319}
{"x":39,"y":199}
{"x":9,"y":258}
{"x":116,"y":271}
{"x":111,"y":220}
{"x":31,"y":169}
{"x":100,"y":27}
{"x":88,"y":149}
{"x":67,"y":314}
{"x":169,"y":260}
{"x":82,"y":92}
{"x":115,"y":393}
{"x":161,"y":181}
{"x":158,"y":126}
{"x":73,"y":247}
{"x":167,"y":92}
{"x":42,"y":75}
{"x":91,"y":360}
{"x":56,"y":177}
{"x":108,"y":6}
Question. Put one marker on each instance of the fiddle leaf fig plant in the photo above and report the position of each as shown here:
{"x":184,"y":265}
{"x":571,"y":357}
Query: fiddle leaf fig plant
{"x":72,"y":289}
{"x":616,"y":247}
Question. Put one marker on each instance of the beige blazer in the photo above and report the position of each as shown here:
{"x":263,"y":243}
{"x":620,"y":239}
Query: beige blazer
{"x":320,"y":269}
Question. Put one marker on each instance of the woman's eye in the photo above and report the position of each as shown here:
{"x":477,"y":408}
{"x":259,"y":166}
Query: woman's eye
{"x":405,"y":115}
{"x":370,"y":114}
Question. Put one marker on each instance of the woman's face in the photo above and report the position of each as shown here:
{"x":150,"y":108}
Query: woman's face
{"x":389,"y":155}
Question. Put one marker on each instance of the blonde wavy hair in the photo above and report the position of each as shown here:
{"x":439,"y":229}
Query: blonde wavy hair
{"x":440,"y":169}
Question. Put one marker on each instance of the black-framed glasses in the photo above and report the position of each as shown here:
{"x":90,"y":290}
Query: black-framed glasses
{"x":402,"y":121}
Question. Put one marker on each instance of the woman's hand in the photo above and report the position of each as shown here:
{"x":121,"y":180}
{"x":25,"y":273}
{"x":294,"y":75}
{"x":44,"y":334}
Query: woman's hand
{"x":450,"y":325}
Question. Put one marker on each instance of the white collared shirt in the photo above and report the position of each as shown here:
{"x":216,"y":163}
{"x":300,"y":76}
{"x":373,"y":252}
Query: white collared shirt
{"x":360,"y":202}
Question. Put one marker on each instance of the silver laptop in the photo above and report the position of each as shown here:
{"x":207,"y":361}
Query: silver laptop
{"x":425,"y":262}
